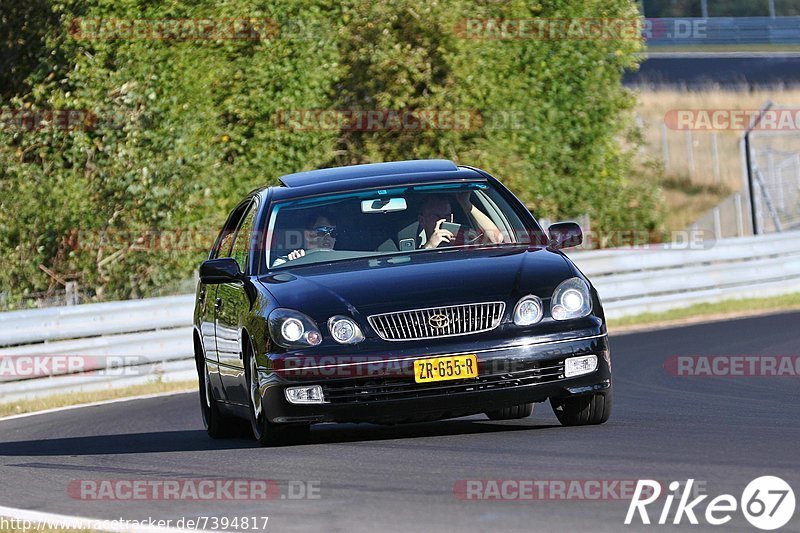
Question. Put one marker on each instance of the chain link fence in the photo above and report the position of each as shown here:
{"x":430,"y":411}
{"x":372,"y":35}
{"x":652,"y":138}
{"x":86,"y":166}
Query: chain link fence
{"x":770,"y":169}
{"x":775,"y":171}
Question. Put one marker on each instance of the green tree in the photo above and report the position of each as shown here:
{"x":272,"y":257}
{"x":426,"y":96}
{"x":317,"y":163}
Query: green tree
{"x":557,"y":118}
{"x":183,"y":129}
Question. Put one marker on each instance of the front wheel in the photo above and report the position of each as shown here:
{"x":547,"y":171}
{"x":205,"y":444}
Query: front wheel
{"x":265,"y":432}
{"x":583,"y":410}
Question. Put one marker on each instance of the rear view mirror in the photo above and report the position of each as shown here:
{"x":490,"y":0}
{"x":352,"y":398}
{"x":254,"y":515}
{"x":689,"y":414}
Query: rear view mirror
{"x":564,"y":235}
{"x":222,"y":270}
{"x":384,"y":205}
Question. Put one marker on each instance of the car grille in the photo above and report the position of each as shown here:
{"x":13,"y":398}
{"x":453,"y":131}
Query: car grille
{"x":349,"y":391}
{"x":436,"y":322}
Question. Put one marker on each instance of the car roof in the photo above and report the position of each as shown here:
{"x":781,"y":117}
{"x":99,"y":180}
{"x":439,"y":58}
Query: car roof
{"x":355,"y":177}
{"x":326,"y":175}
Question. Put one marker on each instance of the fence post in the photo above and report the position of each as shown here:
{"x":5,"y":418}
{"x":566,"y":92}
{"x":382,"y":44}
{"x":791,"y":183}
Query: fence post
{"x":665,"y":145}
{"x":715,"y":158}
{"x":750,"y":165}
{"x":797,"y":166}
{"x":690,"y":152}
{"x":71,"y":293}
{"x":717,"y":224}
{"x":751,"y":190}
{"x":737,"y":200}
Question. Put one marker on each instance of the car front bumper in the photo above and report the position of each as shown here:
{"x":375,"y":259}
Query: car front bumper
{"x":381,"y":389}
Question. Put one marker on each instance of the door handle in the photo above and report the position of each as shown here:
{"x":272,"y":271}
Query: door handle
{"x":218,"y":304}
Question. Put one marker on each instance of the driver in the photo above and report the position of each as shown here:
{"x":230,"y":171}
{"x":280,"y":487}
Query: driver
{"x":319,"y":234}
{"x":437,"y":209}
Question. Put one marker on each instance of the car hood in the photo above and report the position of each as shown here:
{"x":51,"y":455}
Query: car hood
{"x":418,"y":280}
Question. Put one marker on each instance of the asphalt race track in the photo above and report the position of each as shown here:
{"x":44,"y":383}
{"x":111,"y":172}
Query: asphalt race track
{"x":699,"y":71}
{"x":723,"y":432}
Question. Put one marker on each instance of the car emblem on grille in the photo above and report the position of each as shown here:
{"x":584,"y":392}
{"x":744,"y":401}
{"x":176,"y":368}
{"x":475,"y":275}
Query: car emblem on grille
{"x":438,"y":321}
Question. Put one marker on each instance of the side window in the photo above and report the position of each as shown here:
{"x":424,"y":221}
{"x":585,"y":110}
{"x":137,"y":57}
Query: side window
{"x":241,"y":245}
{"x":222,"y":248}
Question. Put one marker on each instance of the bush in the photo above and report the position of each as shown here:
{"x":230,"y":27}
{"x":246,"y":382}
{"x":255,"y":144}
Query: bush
{"x":184,"y":129}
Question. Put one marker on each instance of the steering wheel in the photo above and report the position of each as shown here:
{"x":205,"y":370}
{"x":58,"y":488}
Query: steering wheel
{"x":479,"y":235}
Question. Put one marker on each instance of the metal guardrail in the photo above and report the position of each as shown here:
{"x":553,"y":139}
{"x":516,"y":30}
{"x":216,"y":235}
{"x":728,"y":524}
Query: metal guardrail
{"x":156,"y":333}
{"x":77,"y":321}
{"x":721,"y":31}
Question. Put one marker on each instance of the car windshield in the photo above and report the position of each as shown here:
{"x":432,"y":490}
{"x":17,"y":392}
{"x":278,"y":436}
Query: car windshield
{"x":411,"y":219}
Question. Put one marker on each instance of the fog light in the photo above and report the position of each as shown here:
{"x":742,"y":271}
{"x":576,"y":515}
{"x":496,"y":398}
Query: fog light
{"x":312,"y":394}
{"x":576,"y":366}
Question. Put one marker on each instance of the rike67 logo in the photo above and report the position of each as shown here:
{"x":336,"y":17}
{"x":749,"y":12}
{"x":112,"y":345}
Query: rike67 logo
{"x":767,"y":503}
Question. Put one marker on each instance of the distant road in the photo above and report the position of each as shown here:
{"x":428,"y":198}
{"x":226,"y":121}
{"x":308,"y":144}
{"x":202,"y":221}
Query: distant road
{"x":729,"y":69}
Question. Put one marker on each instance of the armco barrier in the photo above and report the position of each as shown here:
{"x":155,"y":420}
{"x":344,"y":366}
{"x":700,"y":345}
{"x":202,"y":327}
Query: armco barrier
{"x":156,"y":332}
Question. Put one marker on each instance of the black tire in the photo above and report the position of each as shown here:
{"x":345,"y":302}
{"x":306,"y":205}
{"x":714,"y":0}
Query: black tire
{"x":265,"y":432}
{"x":583,"y":410}
{"x":218,"y":426}
{"x":514,"y":412}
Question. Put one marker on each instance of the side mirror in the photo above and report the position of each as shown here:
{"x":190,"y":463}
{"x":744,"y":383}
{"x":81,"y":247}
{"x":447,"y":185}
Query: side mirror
{"x":564,"y":235}
{"x":222,"y":270}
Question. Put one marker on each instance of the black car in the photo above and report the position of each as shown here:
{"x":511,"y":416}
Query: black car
{"x":389,"y":293}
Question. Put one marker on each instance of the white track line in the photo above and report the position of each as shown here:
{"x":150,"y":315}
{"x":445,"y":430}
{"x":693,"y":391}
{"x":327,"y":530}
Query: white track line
{"x":92,"y":404}
{"x":60,"y":521}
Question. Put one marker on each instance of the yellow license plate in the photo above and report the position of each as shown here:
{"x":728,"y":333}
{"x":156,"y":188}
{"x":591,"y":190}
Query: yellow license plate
{"x":445,"y":368}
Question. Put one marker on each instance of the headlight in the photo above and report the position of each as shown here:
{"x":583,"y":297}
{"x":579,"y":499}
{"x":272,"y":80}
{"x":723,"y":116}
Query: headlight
{"x":529,"y":310}
{"x":292,"y":329}
{"x":571,"y":299}
{"x":344,"y":330}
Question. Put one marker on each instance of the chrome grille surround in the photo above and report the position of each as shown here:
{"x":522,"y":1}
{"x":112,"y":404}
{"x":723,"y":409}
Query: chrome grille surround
{"x":438,"y":322}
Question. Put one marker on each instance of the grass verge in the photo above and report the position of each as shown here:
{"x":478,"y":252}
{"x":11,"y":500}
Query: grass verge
{"x":709,"y":311}
{"x":63,"y":400}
